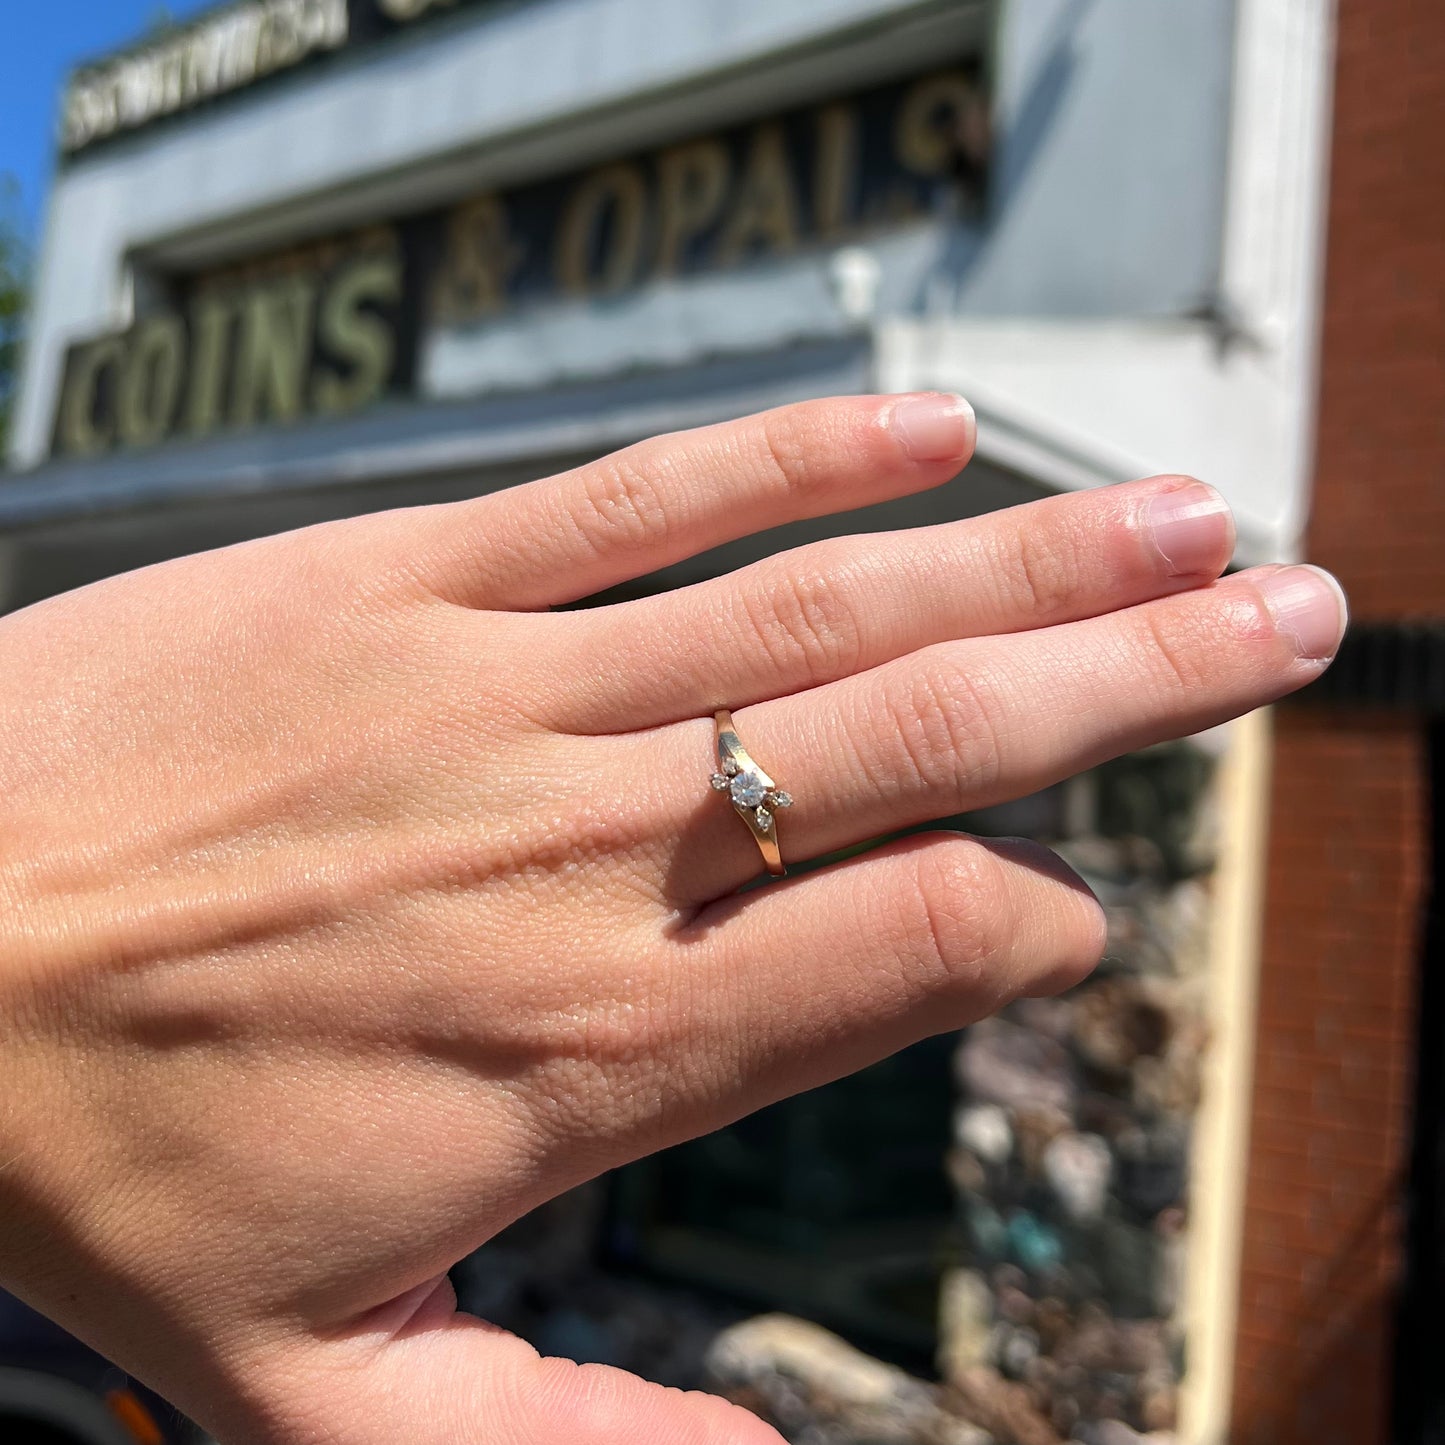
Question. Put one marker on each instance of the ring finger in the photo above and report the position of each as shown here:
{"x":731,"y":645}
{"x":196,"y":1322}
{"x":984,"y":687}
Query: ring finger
{"x":964,"y":724}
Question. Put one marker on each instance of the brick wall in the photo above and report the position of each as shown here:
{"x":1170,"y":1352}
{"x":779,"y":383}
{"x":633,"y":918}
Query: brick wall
{"x":1379,"y":502}
{"x":1347,"y":859}
{"x":1332,"y":1079}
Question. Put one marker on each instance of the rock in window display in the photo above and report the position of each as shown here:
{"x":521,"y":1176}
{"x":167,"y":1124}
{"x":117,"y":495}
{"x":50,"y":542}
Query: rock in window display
{"x":1058,"y":1320}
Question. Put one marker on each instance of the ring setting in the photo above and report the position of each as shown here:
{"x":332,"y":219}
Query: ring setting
{"x":755,"y":796}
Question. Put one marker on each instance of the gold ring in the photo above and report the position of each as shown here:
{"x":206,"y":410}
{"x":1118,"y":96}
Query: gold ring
{"x":755,"y":797}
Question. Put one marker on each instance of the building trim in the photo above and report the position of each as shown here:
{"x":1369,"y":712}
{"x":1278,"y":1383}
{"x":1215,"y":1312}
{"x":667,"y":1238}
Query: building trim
{"x":1221,"y":1138}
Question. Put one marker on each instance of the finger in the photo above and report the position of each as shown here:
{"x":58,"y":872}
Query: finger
{"x":961,"y":725}
{"x":670,"y":497}
{"x":451,"y":1378}
{"x":789,"y":986}
{"x":833,"y":608}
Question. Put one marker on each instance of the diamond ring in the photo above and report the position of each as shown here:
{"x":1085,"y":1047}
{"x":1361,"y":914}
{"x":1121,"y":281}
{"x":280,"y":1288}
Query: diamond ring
{"x":754,"y":794}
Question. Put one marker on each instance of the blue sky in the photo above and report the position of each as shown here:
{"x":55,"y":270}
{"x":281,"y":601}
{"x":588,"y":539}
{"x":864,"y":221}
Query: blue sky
{"x":38,"y":44}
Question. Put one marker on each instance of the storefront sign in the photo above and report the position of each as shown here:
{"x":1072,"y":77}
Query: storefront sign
{"x":221,"y":52}
{"x":332,"y":327}
{"x":314,"y":332}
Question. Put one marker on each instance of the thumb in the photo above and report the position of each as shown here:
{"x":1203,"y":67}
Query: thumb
{"x":447,"y":1378}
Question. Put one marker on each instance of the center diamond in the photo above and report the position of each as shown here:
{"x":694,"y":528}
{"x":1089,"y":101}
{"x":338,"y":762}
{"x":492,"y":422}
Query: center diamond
{"x":747,"y":788}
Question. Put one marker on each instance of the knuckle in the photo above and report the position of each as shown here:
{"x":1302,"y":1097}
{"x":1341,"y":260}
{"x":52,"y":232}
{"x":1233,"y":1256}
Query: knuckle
{"x":622,"y":505}
{"x":789,"y":450}
{"x":807,"y":624}
{"x":946,"y":724}
{"x":960,"y":912}
{"x":1179,"y":661}
{"x":1043,"y":569}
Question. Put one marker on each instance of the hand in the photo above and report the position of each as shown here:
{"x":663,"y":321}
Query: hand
{"x":352,"y":903}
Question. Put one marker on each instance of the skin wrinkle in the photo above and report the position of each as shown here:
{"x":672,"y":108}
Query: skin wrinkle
{"x":622,"y":508}
{"x":616,"y":506}
{"x":948,"y":722}
{"x":1047,"y":572}
{"x":967,"y":909}
{"x":809,"y":630}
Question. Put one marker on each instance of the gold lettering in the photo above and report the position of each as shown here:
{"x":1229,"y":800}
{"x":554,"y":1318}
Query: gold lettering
{"x":81,"y":432}
{"x":481,"y":257}
{"x":765,"y":210}
{"x":238,"y":66}
{"x":150,"y":382}
{"x":211,"y":322}
{"x":692,"y":183}
{"x":170,"y":67}
{"x":353,"y":334}
{"x":835,"y":180}
{"x":404,"y":10}
{"x":608,"y":210}
{"x":938,"y":123}
{"x":274,"y":354}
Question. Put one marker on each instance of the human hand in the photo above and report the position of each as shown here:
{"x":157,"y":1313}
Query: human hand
{"x":352,"y":903}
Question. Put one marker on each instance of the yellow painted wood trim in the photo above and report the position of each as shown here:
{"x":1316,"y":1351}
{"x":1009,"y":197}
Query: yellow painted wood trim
{"x":1221,"y":1136}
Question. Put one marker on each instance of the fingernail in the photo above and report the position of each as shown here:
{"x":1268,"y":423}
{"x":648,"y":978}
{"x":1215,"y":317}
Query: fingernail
{"x":1191,"y":529}
{"x":1309,"y":607}
{"x":934,"y":427}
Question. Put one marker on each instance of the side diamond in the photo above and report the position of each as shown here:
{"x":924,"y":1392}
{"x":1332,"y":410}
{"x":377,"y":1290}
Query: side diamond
{"x":764,"y":817}
{"x":782,"y":799}
{"x":719,"y":781}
